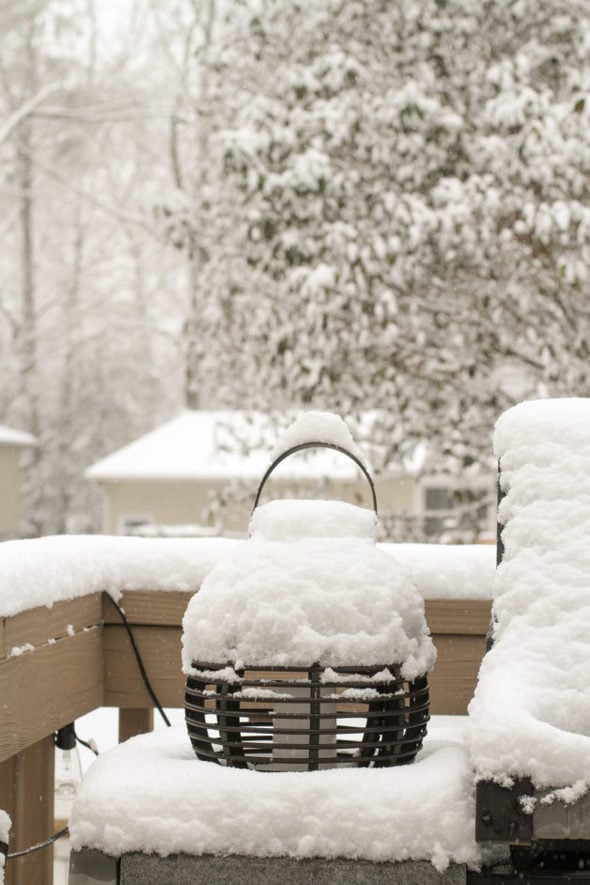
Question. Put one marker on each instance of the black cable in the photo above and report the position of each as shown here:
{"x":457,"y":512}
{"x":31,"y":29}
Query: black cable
{"x":39,"y":845}
{"x":86,"y":744}
{"x":66,"y":738}
{"x":144,"y":675}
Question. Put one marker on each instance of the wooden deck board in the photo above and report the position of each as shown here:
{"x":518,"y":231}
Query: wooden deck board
{"x":165,"y":607}
{"x":44,"y":689}
{"x":160,"y":649}
{"x":37,"y":625}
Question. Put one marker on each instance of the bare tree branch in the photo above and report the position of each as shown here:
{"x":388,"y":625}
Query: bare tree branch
{"x":25,"y":110}
{"x":8,"y":223}
{"x":112,"y":210}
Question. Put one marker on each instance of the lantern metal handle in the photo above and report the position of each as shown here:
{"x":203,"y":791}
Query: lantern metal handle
{"x":314,"y":445}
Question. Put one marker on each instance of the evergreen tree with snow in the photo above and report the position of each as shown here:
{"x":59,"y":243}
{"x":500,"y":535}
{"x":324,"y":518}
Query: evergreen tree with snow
{"x":415,"y":187}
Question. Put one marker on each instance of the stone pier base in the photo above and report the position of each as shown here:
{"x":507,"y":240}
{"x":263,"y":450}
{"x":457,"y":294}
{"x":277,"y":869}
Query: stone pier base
{"x":92,"y":868}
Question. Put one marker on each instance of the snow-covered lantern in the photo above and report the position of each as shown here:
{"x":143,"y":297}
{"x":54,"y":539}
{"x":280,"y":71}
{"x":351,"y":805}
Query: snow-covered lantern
{"x":308,"y":648}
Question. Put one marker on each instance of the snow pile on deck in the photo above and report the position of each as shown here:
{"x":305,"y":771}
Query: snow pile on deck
{"x":448,"y":571}
{"x":531,"y":712}
{"x":47,"y":570}
{"x":151,"y":794}
{"x":5,"y":824}
{"x":309,"y":585}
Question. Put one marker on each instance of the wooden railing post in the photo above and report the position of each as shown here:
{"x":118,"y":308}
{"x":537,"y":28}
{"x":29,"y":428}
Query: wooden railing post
{"x":134,"y":720}
{"x":26,"y":793}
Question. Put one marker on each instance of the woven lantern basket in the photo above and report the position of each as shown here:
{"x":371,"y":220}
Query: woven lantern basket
{"x":304,"y":717}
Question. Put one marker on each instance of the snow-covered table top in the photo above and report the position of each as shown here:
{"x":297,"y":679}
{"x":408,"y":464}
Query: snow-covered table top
{"x":151,"y":794}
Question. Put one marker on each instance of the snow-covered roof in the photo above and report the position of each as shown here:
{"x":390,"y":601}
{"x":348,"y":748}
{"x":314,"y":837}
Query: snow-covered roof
{"x":212,"y":444}
{"x":10,"y":437}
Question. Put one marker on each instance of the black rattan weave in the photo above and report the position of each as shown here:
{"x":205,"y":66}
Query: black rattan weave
{"x":306,"y":718}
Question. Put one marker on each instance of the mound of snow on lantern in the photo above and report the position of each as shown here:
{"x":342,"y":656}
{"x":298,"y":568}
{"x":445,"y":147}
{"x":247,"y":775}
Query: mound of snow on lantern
{"x":315,"y":426}
{"x":531,"y":713}
{"x":309,"y":586}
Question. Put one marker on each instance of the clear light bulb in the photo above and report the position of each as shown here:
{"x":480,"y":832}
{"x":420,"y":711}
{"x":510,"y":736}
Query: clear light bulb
{"x":68,"y":773}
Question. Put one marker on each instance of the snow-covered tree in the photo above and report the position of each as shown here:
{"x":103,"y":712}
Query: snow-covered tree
{"x":80,"y":285}
{"x":415,"y":183}
{"x":198,"y":213}
{"x":355,"y":204}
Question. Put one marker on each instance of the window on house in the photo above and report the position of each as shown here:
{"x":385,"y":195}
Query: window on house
{"x":462,"y":514}
{"x":132,"y":524}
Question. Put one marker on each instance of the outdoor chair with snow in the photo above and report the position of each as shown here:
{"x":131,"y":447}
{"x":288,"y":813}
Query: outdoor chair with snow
{"x":530,"y":717}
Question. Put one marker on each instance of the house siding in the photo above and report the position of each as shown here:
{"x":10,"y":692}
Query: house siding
{"x":9,"y":490}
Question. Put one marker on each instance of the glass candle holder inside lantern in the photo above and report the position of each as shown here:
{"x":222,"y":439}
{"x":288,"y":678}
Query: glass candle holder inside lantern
{"x":308,"y":647}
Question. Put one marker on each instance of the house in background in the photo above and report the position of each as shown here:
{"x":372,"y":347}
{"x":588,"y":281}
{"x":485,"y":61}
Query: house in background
{"x":198,"y":474}
{"x":12,"y":442}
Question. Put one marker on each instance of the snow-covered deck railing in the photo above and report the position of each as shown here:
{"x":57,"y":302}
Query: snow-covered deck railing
{"x":59,"y":663}
{"x":64,"y":651}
